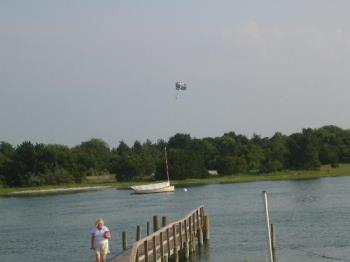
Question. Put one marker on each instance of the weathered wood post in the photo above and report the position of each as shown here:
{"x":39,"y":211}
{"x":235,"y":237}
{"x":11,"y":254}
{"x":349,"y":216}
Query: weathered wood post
{"x":145,"y":246}
{"x":273,"y":242}
{"x":164,"y":221}
{"x":187,"y":250}
{"x":176,"y":255}
{"x":168,"y":241}
{"x":181,"y":239}
{"x":155,"y":223}
{"x":194,"y":223}
{"x":166,"y":258}
{"x":148,"y":229}
{"x":200,"y":236}
{"x":186,"y":232}
{"x":125,"y":240}
{"x":138,"y":232}
{"x":161,"y":246}
{"x":202,"y":216}
{"x":193,"y":244}
{"x":154,"y":246}
{"x":206,"y":228}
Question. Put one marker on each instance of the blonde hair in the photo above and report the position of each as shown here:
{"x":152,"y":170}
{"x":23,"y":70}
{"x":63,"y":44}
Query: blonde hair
{"x":99,"y":221}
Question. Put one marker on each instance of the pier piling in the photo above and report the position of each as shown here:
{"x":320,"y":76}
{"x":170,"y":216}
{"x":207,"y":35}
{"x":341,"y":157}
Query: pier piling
{"x":206,"y":228}
{"x":164,"y":221}
{"x":155,"y":223}
{"x":125,"y":240}
{"x":148,"y":228}
{"x":138,"y":232}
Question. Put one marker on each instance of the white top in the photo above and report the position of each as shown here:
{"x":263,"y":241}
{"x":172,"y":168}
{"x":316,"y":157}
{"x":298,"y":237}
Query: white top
{"x":99,"y":234}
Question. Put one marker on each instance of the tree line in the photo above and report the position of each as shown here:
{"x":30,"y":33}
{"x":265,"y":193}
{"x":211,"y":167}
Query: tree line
{"x":31,"y":164}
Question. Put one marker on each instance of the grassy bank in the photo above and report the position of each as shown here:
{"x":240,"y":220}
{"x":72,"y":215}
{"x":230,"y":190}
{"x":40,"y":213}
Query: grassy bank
{"x":325,"y":171}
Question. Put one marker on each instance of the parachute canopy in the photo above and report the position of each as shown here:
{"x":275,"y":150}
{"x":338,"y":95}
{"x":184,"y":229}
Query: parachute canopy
{"x":180,"y":86}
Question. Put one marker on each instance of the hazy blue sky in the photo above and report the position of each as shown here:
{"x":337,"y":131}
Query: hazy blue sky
{"x":71,"y":70}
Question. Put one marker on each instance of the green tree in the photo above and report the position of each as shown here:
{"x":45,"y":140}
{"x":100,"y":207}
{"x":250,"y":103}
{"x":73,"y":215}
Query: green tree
{"x":182,"y":164}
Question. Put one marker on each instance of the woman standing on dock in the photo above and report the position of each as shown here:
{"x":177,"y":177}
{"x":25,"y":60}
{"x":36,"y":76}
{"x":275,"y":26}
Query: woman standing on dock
{"x":99,"y":240}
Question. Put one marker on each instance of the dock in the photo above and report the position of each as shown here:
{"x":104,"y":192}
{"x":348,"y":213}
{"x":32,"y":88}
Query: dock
{"x":176,"y":241}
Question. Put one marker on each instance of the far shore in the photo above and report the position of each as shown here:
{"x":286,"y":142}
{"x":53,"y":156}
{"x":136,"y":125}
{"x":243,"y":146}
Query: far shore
{"x":325,"y":171}
{"x":57,"y":190}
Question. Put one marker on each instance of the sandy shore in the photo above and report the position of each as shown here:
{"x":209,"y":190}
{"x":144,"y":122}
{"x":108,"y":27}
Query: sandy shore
{"x":59,"y":190}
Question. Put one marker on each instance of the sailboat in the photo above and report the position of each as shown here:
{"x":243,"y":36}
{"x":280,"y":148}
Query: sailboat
{"x":159,"y":187}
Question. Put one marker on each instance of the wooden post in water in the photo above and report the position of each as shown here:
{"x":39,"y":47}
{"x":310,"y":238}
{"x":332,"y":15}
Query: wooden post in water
{"x":200,"y":236}
{"x":268,"y":230}
{"x":125,"y":240}
{"x":187,"y":250}
{"x":166,"y":258}
{"x":206,"y":228}
{"x":164,"y":221}
{"x":193,"y":244}
{"x":138,"y":232}
{"x":273,"y":242}
{"x":155,"y":223}
{"x":148,"y":229}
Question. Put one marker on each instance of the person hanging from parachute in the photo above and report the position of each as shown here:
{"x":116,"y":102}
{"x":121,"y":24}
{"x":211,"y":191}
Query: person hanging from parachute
{"x":180,"y":87}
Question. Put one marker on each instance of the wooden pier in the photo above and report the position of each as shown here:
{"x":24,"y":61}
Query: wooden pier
{"x":175,"y":241}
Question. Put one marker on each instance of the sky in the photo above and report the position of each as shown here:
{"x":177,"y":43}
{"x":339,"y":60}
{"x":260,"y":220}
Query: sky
{"x":72,"y":70}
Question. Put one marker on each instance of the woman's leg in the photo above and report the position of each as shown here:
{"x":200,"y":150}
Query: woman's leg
{"x":103,"y":258}
{"x":98,"y":257}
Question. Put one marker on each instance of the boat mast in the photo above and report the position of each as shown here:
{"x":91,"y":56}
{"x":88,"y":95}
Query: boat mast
{"x":166,"y":164}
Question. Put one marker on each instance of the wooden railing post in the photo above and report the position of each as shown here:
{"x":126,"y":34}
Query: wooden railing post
{"x":186,"y":233}
{"x":168,"y":241}
{"x":197,"y":217}
{"x":175,"y":244}
{"x":154,"y":249}
{"x":145,"y":247}
{"x":194,"y":223}
{"x":190,"y":225}
{"x":180,"y":230}
{"x":161,"y":246}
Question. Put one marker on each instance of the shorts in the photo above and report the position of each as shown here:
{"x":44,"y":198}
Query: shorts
{"x":102,"y":249}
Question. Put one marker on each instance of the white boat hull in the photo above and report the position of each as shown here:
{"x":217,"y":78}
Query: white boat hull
{"x":153,"y":188}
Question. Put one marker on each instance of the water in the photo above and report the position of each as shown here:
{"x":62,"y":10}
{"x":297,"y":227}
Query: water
{"x":312,"y":220}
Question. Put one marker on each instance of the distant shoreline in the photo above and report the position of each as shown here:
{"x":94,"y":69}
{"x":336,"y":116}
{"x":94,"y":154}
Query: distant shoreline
{"x":57,"y":190}
{"x":325,"y":171}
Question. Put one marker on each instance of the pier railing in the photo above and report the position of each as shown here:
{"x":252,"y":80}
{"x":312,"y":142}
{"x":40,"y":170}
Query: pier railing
{"x":172,"y":240}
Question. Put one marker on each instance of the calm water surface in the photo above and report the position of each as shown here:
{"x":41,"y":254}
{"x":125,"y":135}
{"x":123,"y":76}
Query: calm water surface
{"x":312,"y":220}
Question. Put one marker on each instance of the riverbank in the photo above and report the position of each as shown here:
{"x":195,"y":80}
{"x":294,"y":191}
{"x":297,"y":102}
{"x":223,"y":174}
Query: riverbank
{"x":325,"y":171}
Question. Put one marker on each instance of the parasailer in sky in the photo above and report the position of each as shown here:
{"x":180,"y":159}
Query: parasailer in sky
{"x":180,"y":86}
